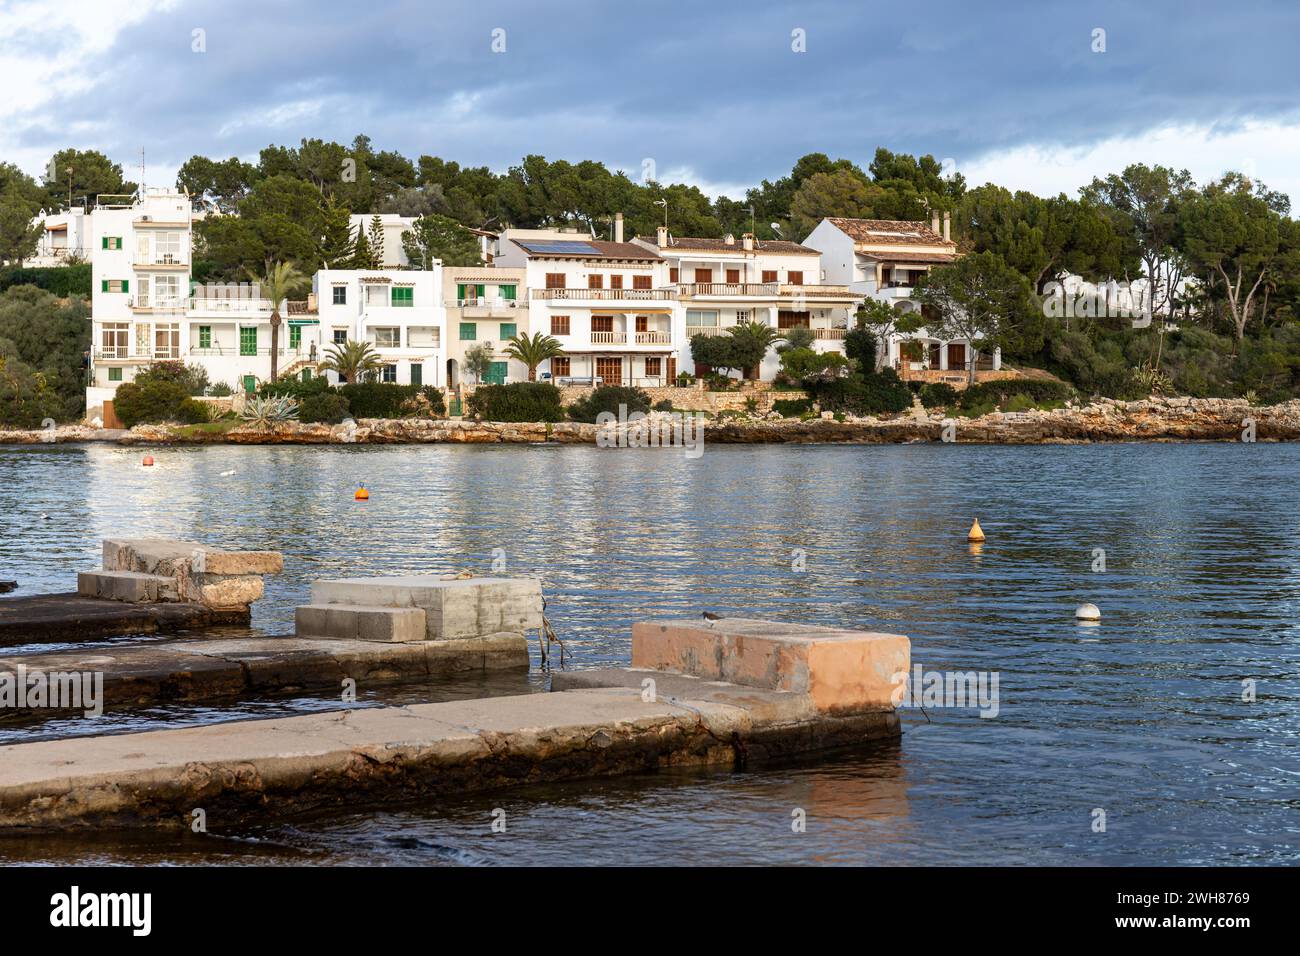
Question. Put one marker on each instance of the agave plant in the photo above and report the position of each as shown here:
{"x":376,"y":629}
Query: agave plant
{"x":267,"y":412}
{"x":1154,"y":381}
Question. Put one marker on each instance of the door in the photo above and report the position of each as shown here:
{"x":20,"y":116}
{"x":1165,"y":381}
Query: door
{"x":956,"y":355}
{"x":733,"y":276}
{"x":250,"y":384}
{"x":417,"y":373}
{"x":934,"y":355}
{"x":496,"y":374}
{"x":110,"y":417}
{"x":672,"y":369}
{"x":610,"y":370}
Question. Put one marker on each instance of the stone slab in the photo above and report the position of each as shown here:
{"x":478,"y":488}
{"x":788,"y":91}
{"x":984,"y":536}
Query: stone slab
{"x":169,"y":556}
{"x":454,"y":609}
{"x":360,"y":622}
{"x":130,"y":586}
{"x":840,"y":670}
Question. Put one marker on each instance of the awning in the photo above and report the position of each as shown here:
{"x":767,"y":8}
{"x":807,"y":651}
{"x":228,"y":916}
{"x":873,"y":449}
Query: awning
{"x":304,"y":321}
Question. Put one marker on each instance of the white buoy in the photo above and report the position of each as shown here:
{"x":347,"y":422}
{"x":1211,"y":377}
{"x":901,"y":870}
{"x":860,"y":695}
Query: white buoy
{"x":1087,"y":612}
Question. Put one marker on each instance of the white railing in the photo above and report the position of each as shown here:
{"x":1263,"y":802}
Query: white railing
{"x":230,"y":305}
{"x":608,"y":338}
{"x":836,"y":335}
{"x":693,"y":330}
{"x":639,"y":295}
{"x":653,"y":338}
{"x":729,"y":288}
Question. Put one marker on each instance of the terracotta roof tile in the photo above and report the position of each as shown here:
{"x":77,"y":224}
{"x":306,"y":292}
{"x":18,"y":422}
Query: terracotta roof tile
{"x":777,"y":246}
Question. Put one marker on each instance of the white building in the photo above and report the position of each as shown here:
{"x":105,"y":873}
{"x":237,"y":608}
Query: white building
{"x":723,"y":282}
{"x":882,"y":259}
{"x":400,"y":313}
{"x":393,"y":225}
{"x":65,"y":237}
{"x":611,"y":305}
{"x":484,"y":305}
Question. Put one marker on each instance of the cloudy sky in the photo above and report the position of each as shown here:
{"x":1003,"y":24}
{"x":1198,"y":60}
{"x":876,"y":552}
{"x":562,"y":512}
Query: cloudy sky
{"x":713,"y":93}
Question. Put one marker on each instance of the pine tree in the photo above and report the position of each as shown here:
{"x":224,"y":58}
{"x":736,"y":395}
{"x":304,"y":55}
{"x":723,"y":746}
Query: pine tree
{"x":377,"y":243}
{"x":363,"y":256}
{"x":337,"y":246}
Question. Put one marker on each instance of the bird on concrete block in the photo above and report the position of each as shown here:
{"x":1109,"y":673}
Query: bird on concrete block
{"x":711,"y":617}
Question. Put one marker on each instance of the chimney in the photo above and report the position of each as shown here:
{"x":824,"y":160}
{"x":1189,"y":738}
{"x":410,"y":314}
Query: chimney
{"x":934,"y":222}
{"x":729,"y":239}
{"x":947,"y":221}
{"x":662,"y":238}
{"x":748,"y":241}
{"x":618,"y":227}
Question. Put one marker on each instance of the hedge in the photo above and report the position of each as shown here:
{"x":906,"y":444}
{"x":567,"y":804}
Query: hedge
{"x":1038,"y":389}
{"x":792,"y":407}
{"x":63,"y":281}
{"x":517,"y":402}
{"x":608,"y":398}
{"x":938,"y":395}
{"x":881,"y":391}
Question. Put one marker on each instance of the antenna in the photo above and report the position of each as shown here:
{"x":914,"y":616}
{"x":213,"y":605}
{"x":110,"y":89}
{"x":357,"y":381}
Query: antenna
{"x":141,"y":187}
{"x":751,"y":219}
{"x":664,"y":203}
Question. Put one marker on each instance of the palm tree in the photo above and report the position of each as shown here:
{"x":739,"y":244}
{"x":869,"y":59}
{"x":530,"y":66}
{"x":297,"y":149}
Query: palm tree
{"x":760,"y":337}
{"x":351,"y":360}
{"x":533,"y":351}
{"x":282,"y":280}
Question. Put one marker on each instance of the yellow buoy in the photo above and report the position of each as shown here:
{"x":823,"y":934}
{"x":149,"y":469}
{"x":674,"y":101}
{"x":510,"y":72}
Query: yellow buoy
{"x":976,"y":532}
{"x":362,"y":494}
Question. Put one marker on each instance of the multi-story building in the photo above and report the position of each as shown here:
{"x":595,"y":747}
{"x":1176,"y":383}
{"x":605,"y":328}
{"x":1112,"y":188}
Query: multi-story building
{"x":484,"y":305}
{"x":723,"y":282}
{"x":399,"y":312}
{"x":882,"y":259}
{"x":611,"y":305}
{"x":65,"y":237}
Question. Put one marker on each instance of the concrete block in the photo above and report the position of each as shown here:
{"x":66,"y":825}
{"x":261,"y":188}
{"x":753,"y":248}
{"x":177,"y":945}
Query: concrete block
{"x":223,"y":590}
{"x":242,"y":562}
{"x":454,"y":609}
{"x":360,"y":622}
{"x":840,"y":670}
{"x":128,"y":586}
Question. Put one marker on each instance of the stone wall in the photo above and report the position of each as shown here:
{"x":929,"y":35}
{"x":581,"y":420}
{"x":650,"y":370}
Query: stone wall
{"x":698,"y":399}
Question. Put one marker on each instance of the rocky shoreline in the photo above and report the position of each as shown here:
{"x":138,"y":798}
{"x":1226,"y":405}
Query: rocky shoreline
{"x":1106,"y":420}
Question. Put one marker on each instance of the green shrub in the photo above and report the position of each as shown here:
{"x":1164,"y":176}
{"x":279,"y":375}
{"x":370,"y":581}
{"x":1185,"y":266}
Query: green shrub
{"x":26,"y":398}
{"x":665,"y":405}
{"x":872,"y":394}
{"x":377,"y":399}
{"x":193,"y":378}
{"x":792,"y":407}
{"x":158,"y":400}
{"x":294,"y":388}
{"x":1036,"y":389}
{"x":938,"y":395}
{"x":329,"y":407}
{"x":1019,"y":402}
{"x":801,"y":365}
{"x":62,"y":281}
{"x":608,"y":398}
{"x":517,"y":402}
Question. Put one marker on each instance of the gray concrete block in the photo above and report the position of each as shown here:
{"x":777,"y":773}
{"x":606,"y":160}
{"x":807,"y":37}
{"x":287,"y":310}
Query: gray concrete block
{"x":454,"y":609}
{"x":128,"y":586}
{"x":360,"y":623}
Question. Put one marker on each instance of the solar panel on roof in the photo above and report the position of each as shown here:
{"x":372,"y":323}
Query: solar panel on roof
{"x":563,"y":247}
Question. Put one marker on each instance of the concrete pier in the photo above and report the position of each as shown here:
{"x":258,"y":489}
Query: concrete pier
{"x":593,"y":724}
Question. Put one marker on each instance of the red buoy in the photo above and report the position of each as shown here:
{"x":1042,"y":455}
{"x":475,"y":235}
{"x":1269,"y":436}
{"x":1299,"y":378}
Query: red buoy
{"x":148,"y":460}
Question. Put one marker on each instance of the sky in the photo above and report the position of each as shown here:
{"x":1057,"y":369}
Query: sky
{"x":1029,"y":94}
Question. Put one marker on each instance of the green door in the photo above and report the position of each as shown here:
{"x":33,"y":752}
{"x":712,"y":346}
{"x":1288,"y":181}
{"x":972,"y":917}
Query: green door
{"x":497,"y":374}
{"x":250,"y":384}
{"x":417,"y":373}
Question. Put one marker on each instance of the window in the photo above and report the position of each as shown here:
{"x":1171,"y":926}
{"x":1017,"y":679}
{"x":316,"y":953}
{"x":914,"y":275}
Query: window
{"x":507,"y":292}
{"x":673,"y":275}
{"x":654,"y":366}
{"x":116,"y":340}
{"x":616,"y":282}
{"x":794,"y":278}
{"x":248,"y":340}
{"x":295,"y":336}
{"x":789,"y":319}
{"x":602,"y":323}
{"x":507,"y":331}
{"x":743,"y":315}
{"x":595,"y":281}
{"x":769,"y":275}
{"x":417,"y":373}
{"x":388,"y":338}
{"x":376,"y":295}
{"x":403,"y":296}
{"x":610,"y":370}
{"x":205,"y":336}
{"x":555,"y":280}
{"x":641,"y":282}
{"x":643,"y":323}
{"x":559,"y":325}
{"x":167,"y":342}
{"x":468,"y":332}
{"x":340,"y":295}
{"x":733,"y":276}
{"x":167,"y":247}
{"x":142,"y":292}
{"x":115,"y":285}
{"x":340,"y":336}
{"x":559,"y":366}
{"x":115,"y":375}
{"x":388,"y":373}
{"x":167,"y":292}
{"x":704,"y":275}
{"x":112,"y":242}
{"x":469,"y":294}
{"x":700,"y":319}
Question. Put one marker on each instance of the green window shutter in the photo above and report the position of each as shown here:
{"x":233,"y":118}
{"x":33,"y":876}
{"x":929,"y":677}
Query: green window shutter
{"x":507,"y":292}
{"x":306,"y":375}
{"x":482,"y":291}
{"x":115,"y":375}
{"x":417,"y":374}
{"x":103,"y":285}
{"x":295,"y":336}
{"x":126,"y":285}
{"x":496,"y":374}
{"x":507,"y":330}
{"x":205,"y":336}
{"x":248,"y":341}
{"x":468,"y":332}
{"x":403,"y":296}
{"x":460,"y":292}
{"x":103,"y":242}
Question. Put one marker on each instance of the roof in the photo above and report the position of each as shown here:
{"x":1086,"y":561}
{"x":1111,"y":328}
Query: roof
{"x":584,"y":249}
{"x":921,"y":258}
{"x":877,"y":232}
{"x":778,"y":246}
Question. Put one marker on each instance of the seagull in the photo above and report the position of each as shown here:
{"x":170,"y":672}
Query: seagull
{"x":227,"y":474}
{"x":711,"y":617}
{"x":44,"y":516}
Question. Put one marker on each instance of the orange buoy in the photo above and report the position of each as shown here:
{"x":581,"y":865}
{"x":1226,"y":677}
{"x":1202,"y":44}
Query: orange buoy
{"x":148,"y":460}
{"x":976,"y":532}
{"x":362,"y":494}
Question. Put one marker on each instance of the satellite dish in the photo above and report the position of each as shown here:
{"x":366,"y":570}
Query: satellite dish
{"x":776,"y":228}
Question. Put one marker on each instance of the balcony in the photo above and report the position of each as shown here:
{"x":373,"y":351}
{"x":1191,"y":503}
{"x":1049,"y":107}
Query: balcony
{"x":723,"y":289}
{"x":608,"y":338}
{"x":487,"y":308}
{"x":605,"y":295}
{"x":232,"y":305}
{"x":653,"y":338}
{"x":820,"y":292}
{"x":160,"y":261}
{"x":830,"y":335}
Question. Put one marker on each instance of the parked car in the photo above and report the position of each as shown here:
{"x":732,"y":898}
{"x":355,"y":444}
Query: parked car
{"x":571,"y":379}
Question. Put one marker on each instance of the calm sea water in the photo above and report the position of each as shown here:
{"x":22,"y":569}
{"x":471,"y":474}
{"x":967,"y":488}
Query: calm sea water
{"x":1142,"y":717}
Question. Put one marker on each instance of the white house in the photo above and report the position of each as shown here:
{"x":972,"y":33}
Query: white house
{"x":722,"y":282}
{"x":882,"y":259}
{"x":393,"y":225}
{"x":399,"y":312}
{"x":65,"y":236}
{"x":611,"y":305}
{"x":484,"y":305}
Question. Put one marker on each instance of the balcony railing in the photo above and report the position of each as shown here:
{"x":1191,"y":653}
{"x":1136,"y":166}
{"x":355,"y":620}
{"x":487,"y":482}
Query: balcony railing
{"x":833,"y":335}
{"x":160,"y":261}
{"x":728,"y":288}
{"x":608,"y":338}
{"x":693,"y":330}
{"x":653,"y":338}
{"x":606,"y":295}
{"x":486,"y":303}
{"x":819,"y":291}
{"x":230,"y":305}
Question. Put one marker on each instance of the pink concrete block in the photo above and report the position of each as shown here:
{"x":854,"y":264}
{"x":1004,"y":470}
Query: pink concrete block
{"x":840,"y":670}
